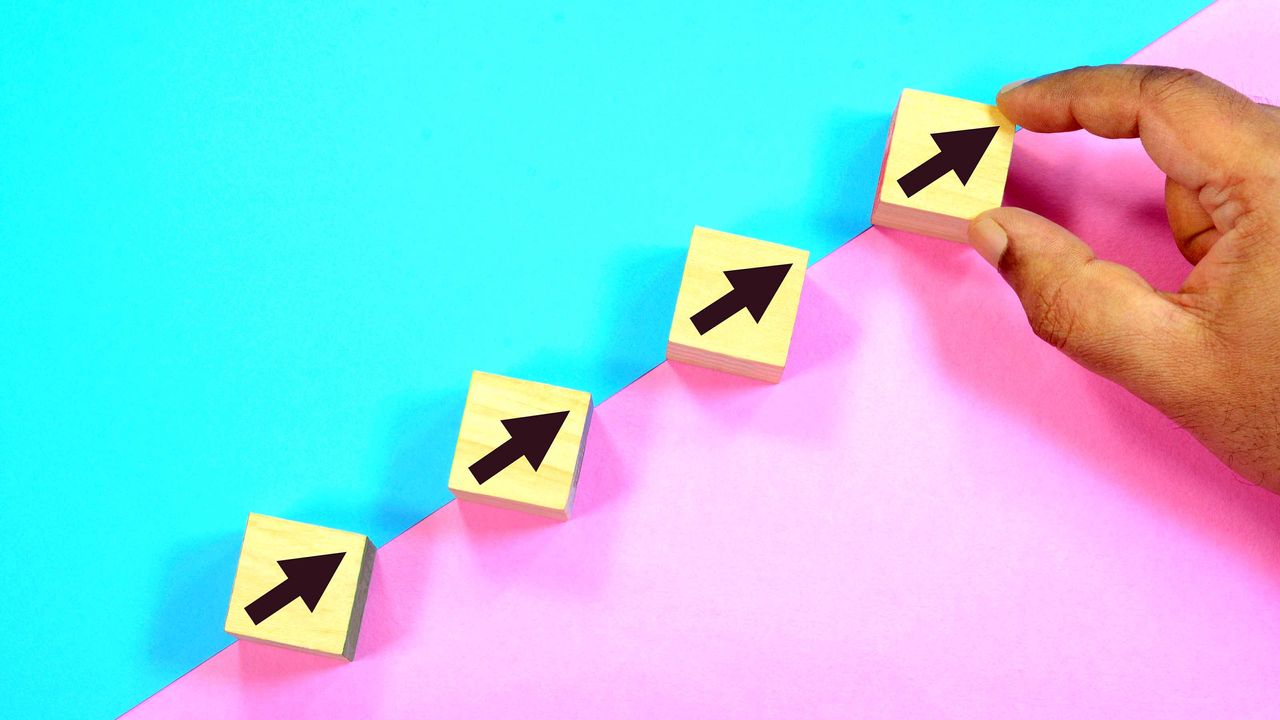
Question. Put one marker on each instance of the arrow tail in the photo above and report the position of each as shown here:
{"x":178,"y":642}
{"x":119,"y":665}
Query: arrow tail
{"x":495,"y":462}
{"x":717,"y":312}
{"x":271,"y":602}
{"x":924,"y":174}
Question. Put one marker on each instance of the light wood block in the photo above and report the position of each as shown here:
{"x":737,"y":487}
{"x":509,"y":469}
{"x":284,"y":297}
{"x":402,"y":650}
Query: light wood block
{"x":520,"y":445}
{"x":918,"y":192}
{"x":737,"y":304}
{"x":305,"y":586}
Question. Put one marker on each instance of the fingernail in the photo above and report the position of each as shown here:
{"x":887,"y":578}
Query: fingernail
{"x":989,"y":239}
{"x":1012,"y":85}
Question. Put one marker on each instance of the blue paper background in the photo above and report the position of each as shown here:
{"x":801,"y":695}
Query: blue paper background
{"x":251,"y":252}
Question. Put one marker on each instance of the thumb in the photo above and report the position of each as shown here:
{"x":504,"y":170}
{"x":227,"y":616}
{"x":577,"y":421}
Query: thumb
{"x":1101,"y":314}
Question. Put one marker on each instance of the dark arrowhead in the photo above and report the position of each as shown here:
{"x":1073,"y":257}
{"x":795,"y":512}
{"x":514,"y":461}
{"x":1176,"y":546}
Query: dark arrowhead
{"x":963,"y":149}
{"x":754,"y":288}
{"x":309,"y":576}
{"x":533,"y":435}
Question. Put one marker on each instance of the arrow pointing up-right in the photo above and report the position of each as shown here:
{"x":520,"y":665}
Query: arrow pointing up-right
{"x":531,"y":439}
{"x":753,"y":291}
{"x":959,"y":151}
{"x":305,"y":578}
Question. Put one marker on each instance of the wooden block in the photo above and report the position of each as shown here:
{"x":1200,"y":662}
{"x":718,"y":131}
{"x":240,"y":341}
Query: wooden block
{"x":946,"y":162}
{"x":737,"y":304}
{"x":520,"y":445}
{"x":301,"y":586}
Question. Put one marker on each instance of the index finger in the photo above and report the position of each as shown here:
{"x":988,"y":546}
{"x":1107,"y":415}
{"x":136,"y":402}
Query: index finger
{"x":1196,"y":129}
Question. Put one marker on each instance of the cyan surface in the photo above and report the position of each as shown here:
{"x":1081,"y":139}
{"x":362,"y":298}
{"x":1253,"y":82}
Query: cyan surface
{"x":251,"y":252}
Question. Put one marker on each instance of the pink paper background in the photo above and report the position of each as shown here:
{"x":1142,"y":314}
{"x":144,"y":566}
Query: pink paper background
{"x":933,"y":515}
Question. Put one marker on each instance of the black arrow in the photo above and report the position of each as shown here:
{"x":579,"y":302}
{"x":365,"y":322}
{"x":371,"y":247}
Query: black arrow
{"x":753,"y":290}
{"x":531,"y":438}
{"x":958,"y":150}
{"x":304,"y":577}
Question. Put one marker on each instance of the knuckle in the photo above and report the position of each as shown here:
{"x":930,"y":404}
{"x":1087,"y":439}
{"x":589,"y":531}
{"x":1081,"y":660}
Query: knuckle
{"x":1255,"y":229}
{"x":1160,"y":86}
{"x":1247,"y":211}
{"x":1203,"y":307}
{"x":1052,"y":314}
{"x":1163,"y":83}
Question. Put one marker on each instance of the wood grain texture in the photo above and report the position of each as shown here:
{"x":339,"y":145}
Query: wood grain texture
{"x":739,"y":345}
{"x":547,"y":491}
{"x":944,"y":208}
{"x":334,"y":626}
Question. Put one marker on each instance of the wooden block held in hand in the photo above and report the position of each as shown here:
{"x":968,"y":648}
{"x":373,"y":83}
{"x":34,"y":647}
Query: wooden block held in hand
{"x":737,"y":304}
{"x":946,"y":162}
{"x":301,"y":586}
{"x":520,"y":445}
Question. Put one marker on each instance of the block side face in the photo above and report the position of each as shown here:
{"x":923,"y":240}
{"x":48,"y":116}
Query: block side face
{"x":361,"y":598}
{"x":268,"y":540}
{"x":313,"y":651}
{"x":724,"y":363}
{"x":577,"y":469}
{"x":918,"y":117}
{"x":711,"y":254}
{"x":494,"y":398}
{"x":945,"y":227}
{"x":500,"y":502}
{"x":884,"y":163}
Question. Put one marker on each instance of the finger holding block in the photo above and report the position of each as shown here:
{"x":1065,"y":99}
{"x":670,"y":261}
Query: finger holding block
{"x":946,"y":162}
{"x":301,"y":586}
{"x":737,"y":304}
{"x":520,"y":445}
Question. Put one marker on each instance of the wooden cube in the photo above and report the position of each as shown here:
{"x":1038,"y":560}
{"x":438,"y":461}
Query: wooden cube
{"x":946,"y":162}
{"x":737,"y":304}
{"x":520,"y":445}
{"x":301,"y":586}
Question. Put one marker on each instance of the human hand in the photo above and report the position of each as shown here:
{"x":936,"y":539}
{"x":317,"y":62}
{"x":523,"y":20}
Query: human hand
{"x":1208,"y":355}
